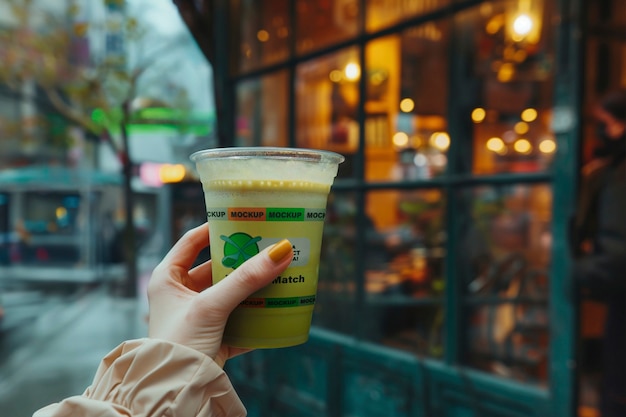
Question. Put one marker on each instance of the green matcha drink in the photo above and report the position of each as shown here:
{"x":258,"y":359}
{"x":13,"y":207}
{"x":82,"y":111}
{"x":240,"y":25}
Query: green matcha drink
{"x":256,"y":197}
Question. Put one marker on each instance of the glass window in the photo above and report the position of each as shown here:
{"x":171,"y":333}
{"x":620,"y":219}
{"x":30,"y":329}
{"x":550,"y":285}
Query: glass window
{"x":383,"y":13}
{"x":405,"y":128}
{"x":51,"y":213}
{"x":327,"y":97}
{"x":262,"y":111}
{"x":335,"y":304}
{"x":404,"y":271}
{"x":264,"y":38}
{"x":323,"y":23}
{"x":405,"y":237}
{"x":49,"y":229}
{"x":512,"y":64}
{"x":505,"y":252}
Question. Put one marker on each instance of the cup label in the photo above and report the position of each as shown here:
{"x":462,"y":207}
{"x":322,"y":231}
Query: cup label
{"x":239,"y":233}
{"x":269,"y":214}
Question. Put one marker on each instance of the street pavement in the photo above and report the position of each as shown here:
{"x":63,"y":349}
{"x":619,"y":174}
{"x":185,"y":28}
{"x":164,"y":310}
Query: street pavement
{"x":56,"y":354}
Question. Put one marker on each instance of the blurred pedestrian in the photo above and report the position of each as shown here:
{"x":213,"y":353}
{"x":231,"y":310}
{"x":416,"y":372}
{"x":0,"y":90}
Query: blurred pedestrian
{"x":600,"y":244}
{"x":177,"y":371}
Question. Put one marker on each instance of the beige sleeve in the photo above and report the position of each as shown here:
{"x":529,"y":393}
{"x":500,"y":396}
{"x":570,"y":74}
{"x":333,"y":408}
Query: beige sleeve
{"x":149,"y":377}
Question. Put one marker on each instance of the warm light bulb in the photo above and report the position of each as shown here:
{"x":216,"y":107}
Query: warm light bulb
{"x":407,"y":105}
{"x":547,"y":146}
{"x":529,"y":115}
{"x":478,"y":115}
{"x":522,"y":146}
{"x":352,"y":71}
{"x":440,"y":140}
{"x":521,"y":128}
{"x":400,"y":139}
{"x":496,"y":145}
{"x":263,"y":35}
{"x":506,"y":72}
{"x":335,"y":76}
{"x":522,"y":25}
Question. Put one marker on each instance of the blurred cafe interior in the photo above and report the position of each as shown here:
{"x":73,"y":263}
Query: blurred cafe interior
{"x":446,"y":263}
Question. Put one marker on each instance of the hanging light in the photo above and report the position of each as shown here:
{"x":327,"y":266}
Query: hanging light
{"x":352,"y":71}
{"x":524,"y":21}
{"x":522,"y":25}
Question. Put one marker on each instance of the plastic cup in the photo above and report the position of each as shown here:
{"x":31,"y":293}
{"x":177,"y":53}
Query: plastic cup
{"x":254,"y":198}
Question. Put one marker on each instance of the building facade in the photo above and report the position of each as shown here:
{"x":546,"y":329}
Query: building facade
{"x":445,"y":286}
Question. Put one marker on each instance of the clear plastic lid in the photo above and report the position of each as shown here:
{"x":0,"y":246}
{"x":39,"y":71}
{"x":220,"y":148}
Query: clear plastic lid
{"x":267,"y":163}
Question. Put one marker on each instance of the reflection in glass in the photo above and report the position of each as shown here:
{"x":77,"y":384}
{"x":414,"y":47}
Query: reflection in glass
{"x":51,"y":213}
{"x":335,"y":305}
{"x":48,"y":229}
{"x":405,"y":243}
{"x":505,"y":255}
{"x":404,"y":276}
{"x":262,"y":111}
{"x":405,"y":128}
{"x":264,"y":38}
{"x":327,"y":97}
{"x":323,"y":23}
{"x":383,"y":13}
{"x":513,"y":62}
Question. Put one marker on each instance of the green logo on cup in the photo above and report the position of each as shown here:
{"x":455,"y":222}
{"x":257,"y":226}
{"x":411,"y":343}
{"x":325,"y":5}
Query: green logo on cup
{"x":239,"y":247}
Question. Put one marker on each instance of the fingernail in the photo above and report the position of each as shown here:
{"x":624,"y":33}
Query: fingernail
{"x":280,"y":250}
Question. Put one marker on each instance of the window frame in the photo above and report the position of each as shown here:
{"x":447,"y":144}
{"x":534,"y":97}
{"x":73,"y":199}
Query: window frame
{"x":562,"y":177}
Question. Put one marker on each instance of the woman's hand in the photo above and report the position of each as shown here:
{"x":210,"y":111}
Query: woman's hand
{"x":185,"y":306}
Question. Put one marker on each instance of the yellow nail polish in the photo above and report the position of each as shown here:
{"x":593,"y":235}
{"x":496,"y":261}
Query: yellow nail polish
{"x":280,"y":250}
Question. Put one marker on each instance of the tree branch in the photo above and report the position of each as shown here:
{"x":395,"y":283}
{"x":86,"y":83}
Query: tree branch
{"x":70,"y":114}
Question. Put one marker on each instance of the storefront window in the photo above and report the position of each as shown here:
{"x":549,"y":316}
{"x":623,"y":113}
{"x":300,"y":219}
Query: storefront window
{"x":405,"y":237}
{"x":323,"y":23}
{"x":335,"y":306}
{"x":383,"y":13}
{"x":405,"y":128}
{"x":51,"y":214}
{"x":327,"y":97}
{"x":439,"y":236}
{"x":404,"y":271}
{"x":512,"y":66}
{"x":262,"y":111}
{"x":264,"y":39}
{"x":505,"y":251}
{"x":47,"y":232}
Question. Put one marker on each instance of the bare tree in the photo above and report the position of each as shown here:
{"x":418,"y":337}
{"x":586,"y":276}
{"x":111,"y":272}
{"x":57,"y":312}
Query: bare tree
{"x":41,"y":50}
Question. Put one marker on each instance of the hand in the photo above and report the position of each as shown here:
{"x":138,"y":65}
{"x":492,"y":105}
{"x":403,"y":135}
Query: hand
{"x":185,"y":306}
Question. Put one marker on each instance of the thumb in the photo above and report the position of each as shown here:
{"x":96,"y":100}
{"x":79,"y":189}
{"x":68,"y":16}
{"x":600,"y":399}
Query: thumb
{"x":251,"y":276}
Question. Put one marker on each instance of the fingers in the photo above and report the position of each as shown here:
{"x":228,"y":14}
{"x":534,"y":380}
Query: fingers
{"x":200,"y":277}
{"x":186,"y":250}
{"x":253,"y":275}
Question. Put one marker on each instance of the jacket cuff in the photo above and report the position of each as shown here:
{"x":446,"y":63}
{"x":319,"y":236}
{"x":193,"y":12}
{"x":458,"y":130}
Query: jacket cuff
{"x":150,"y":377}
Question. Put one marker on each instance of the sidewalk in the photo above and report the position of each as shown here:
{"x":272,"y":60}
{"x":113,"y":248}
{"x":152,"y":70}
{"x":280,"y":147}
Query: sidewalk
{"x":64,"y":350}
